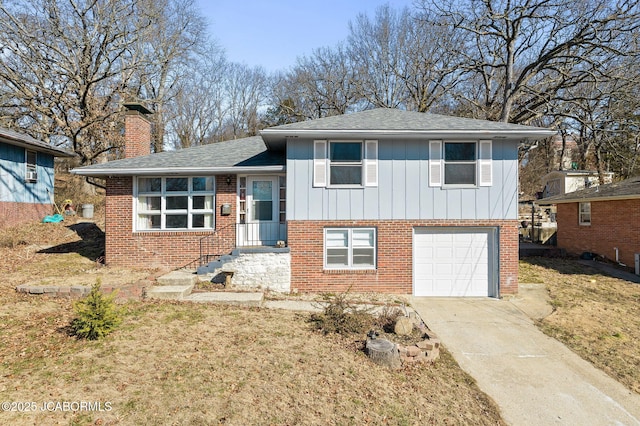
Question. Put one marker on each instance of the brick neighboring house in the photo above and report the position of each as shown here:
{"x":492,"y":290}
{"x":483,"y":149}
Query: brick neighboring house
{"x":26,"y":178}
{"x":380,"y":200}
{"x":600,"y":220}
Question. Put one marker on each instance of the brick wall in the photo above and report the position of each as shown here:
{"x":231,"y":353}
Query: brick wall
{"x":12,"y":214}
{"x":137,"y":131}
{"x":613,"y":224}
{"x":394,"y":272}
{"x":157,"y":249}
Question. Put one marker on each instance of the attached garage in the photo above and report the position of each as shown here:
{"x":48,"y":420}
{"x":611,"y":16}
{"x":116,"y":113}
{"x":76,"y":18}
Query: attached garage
{"x":455,"y":262}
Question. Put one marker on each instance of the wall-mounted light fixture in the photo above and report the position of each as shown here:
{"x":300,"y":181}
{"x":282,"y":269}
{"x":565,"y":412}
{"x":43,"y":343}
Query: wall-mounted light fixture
{"x":228,"y":179}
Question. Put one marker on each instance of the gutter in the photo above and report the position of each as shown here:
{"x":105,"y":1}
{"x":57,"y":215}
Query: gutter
{"x":272,"y":136}
{"x":56,"y":152}
{"x":174,"y":171}
{"x":589,"y":199}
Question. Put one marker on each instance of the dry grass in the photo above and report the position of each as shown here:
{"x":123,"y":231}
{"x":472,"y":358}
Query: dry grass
{"x":597,"y":316}
{"x":181,"y":363}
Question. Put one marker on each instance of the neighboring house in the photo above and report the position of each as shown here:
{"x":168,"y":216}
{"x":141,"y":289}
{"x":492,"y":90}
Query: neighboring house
{"x":604,"y":220}
{"x":381,"y":200}
{"x":26,"y":178}
{"x":564,"y":181}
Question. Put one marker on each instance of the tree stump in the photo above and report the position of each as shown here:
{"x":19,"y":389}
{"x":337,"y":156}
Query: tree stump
{"x":383,"y":352}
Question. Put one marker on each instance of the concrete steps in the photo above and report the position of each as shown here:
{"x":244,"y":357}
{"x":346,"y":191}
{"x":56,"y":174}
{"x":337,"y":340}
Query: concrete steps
{"x":228,"y":298}
{"x":177,"y":278}
{"x":169,"y":292}
{"x":211,"y":267}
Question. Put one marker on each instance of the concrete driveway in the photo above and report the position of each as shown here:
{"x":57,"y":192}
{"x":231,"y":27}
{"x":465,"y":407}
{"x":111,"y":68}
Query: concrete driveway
{"x":533,"y":378}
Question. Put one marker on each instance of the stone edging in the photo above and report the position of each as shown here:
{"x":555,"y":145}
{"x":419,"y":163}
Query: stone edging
{"x":132,"y":291}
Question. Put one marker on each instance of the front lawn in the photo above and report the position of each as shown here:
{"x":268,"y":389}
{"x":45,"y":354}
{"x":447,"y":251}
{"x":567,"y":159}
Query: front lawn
{"x":597,"y":316}
{"x":184,"y":363}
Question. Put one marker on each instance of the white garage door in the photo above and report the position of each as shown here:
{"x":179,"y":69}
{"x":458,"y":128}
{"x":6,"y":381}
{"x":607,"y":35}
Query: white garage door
{"x":452,"y":262}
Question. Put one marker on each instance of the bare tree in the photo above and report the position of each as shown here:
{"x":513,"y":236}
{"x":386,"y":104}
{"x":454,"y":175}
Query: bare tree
{"x":376,"y":48}
{"x":178,"y":32}
{"x":319,"y":85}
{"x":518,"y":55}
{"x":196,"y":114}
{"x":402,"y":60}
{"x":245,"y":92}
{"x":65,"y":67}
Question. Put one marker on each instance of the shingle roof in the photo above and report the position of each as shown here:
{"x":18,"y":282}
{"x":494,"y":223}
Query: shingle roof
{"x":401,"y":123}
{"x":267,"y":151}
{"x":238,"y":154}
{"x":625,"y":189}
{"x":395,"y":119}
{"x":19,"y":139}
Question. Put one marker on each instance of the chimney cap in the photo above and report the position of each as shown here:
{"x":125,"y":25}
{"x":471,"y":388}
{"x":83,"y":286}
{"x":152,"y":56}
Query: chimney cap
{"x":136,"y":106}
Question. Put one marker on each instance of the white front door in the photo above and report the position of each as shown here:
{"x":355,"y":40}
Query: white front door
{"x":262,"y":227}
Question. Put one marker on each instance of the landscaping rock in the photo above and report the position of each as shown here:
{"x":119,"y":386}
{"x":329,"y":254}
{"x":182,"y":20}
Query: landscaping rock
{"x":403,"y":327}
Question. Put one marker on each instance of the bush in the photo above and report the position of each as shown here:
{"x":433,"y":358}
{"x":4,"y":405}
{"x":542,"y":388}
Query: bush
{"x":97,"y":315}
{"x":341,"y":316}
{"x":387,"y":318}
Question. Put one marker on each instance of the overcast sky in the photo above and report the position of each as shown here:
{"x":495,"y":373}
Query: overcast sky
{"x":272,"y":33}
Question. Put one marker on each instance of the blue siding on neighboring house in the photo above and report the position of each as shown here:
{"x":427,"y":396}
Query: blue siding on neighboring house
{"x":403,"y":191}
{"x":13,"y":187}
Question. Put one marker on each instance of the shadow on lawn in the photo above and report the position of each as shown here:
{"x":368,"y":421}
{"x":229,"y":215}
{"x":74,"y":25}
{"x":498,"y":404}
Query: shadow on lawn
{"x":91,"y":246}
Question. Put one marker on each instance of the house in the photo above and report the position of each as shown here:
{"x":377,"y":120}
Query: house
{"x":26,"y":177}
{"x":563,"y":181}
{"x":604,"y":220}
{"x":381,"y":200}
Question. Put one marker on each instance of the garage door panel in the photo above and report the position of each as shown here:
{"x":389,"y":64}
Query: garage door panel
{"x":443,"y":253}
{"x":451,"y":262}
{"x":443,"y":269}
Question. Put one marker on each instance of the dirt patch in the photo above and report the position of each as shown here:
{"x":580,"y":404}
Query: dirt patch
{"x":597,"y":316}
{"x":59,"y":254}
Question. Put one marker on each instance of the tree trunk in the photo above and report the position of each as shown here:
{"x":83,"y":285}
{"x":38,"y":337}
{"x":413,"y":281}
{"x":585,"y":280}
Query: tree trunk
{"x":383,"y":352}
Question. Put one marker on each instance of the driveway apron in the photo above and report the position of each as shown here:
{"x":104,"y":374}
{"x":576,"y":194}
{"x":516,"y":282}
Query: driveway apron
{"x":534,"y":379}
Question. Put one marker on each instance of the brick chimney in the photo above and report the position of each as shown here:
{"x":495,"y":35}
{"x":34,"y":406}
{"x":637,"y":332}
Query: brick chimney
{"x":137,"y":131}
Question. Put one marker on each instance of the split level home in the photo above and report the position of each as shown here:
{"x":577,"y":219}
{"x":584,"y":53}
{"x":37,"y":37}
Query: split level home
{"x":26,"y":178}
{"x":381,"y":200}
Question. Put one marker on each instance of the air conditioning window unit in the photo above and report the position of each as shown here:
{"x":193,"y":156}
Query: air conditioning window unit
{"x":32,"y":175}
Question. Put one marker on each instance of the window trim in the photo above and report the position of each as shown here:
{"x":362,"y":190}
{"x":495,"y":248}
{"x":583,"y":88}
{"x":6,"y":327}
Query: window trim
{"x":360,"y":164}
{"x":582,"y":215}
{"x":321,"y":163}
{"x":483,"y":163}
{"x":350,"y":266}
{"x":163,"y":212}
{"x":474,"y":162}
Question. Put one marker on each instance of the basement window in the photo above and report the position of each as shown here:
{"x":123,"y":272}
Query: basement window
{"x":350,"y":248}
{"x":175,"y":203}
{"x":584,"y":214}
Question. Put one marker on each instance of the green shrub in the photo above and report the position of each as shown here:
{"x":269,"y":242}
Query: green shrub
{"x":97,"y":314}
{"x":341,"y":316}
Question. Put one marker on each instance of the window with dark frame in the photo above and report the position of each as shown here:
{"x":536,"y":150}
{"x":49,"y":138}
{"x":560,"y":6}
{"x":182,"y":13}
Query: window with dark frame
{"x":345,"y":163}
{"x":460,"y":163}
{"x":31,"y":166}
